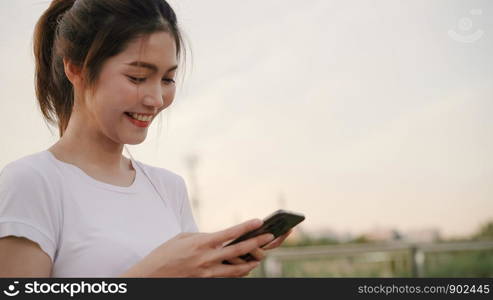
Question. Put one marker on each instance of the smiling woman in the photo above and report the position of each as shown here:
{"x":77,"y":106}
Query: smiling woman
{"x":104,"y":71}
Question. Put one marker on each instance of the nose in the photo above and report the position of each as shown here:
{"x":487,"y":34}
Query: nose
{"x":154,"y":96}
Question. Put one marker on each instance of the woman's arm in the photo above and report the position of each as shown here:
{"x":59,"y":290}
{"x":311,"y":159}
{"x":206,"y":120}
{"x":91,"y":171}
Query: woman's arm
{"x":201,"y":254}
{"x":20,"y":257}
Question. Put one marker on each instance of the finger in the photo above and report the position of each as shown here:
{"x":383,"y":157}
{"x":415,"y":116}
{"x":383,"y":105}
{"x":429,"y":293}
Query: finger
{"x":243,"y":248}
{"x":221,"y":270}
{"x":258,"y":254}
{"x":236,"y":261}
{"x":277,"y":242}
{"x":255,"y":255}
{"x":220,"y":237}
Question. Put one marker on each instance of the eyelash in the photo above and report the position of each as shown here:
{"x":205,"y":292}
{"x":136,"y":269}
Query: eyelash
{"x":140,"y":80}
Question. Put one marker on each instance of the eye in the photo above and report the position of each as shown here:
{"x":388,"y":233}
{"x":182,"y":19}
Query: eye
{"x":136,"y":79}
{"x":168,"y":81}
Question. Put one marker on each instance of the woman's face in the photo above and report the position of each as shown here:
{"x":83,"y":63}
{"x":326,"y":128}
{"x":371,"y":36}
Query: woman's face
{"x":138,"y":83}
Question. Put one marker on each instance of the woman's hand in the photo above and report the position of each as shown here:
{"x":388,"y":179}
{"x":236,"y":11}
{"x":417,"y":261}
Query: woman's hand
{"x":201,"y":254}
{"x":260,"y":253}
{"x":278,"y":241}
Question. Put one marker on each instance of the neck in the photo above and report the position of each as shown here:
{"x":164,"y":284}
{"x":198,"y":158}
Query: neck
{"x":83,"y":145}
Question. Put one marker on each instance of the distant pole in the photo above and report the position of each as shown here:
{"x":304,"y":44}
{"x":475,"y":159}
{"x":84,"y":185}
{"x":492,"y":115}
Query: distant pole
{"x":417,"y":261}
{"x":192,"y":162}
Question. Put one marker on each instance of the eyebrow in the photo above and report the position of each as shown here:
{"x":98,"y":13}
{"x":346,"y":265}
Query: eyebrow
{"x":149,"y":66}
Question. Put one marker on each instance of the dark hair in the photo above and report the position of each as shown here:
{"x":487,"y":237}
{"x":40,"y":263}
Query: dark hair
{"x":87,"y":33}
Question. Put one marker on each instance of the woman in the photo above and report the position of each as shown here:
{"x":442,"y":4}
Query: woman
{"x":104,"y":70}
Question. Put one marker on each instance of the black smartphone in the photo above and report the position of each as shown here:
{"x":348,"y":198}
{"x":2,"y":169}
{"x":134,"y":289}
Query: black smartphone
{"x":277,"y":223}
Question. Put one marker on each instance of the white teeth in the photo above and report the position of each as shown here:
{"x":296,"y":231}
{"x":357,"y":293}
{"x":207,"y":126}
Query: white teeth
{"x":141,"y":117}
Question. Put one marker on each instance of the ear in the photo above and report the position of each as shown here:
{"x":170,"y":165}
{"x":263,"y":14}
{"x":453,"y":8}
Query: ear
{"x":73,"y":73}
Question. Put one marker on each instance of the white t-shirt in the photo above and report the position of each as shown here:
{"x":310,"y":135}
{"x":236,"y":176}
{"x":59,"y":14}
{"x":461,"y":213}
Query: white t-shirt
{"x":90,"y":228}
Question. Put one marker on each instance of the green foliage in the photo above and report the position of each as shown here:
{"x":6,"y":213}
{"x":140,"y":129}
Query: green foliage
{"x":309,"y":241}
{"x":473,"y":263}
{"x":360,"y":240}
{"x":463,"y":264}
{"x":485,"y":232}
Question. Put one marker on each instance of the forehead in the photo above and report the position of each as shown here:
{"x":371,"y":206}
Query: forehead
{"x":156,"y":48}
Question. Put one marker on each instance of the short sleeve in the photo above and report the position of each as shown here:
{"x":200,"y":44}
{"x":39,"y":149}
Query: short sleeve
{"x":29,"y":206}
{"x":186,"y":216}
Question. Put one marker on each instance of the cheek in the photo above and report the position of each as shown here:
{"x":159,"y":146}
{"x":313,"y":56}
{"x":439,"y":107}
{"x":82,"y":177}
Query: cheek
{"x":118,"y":95}
{"x":124,"y":92}
{"x":110,"y":103}
{"x":169,"y":97}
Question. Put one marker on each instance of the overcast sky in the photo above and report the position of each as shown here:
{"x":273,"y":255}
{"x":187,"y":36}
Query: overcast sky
{"x":356,"y":113}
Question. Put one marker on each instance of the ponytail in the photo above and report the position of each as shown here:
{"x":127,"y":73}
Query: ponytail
{"x":53,"y":90}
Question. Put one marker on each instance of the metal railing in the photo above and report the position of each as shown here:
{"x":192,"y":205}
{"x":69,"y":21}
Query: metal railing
{"x":272,"y":266}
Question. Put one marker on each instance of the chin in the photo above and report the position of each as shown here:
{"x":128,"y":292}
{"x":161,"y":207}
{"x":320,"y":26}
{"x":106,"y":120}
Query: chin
{"x":134,"y":140}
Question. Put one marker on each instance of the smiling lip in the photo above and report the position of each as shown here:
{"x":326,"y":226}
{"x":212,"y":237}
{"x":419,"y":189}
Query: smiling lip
{"x":138,"y":123}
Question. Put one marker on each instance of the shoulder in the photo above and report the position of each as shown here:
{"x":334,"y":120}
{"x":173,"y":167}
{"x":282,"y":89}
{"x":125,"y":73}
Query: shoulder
{"x":30,"y":169}
{"x":30,"y":166}
{"x":29,"y":183}
{"x":30,"y":201}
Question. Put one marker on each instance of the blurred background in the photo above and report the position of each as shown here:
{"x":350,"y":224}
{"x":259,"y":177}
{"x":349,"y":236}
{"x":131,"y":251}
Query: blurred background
{"x":371,"y":117}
